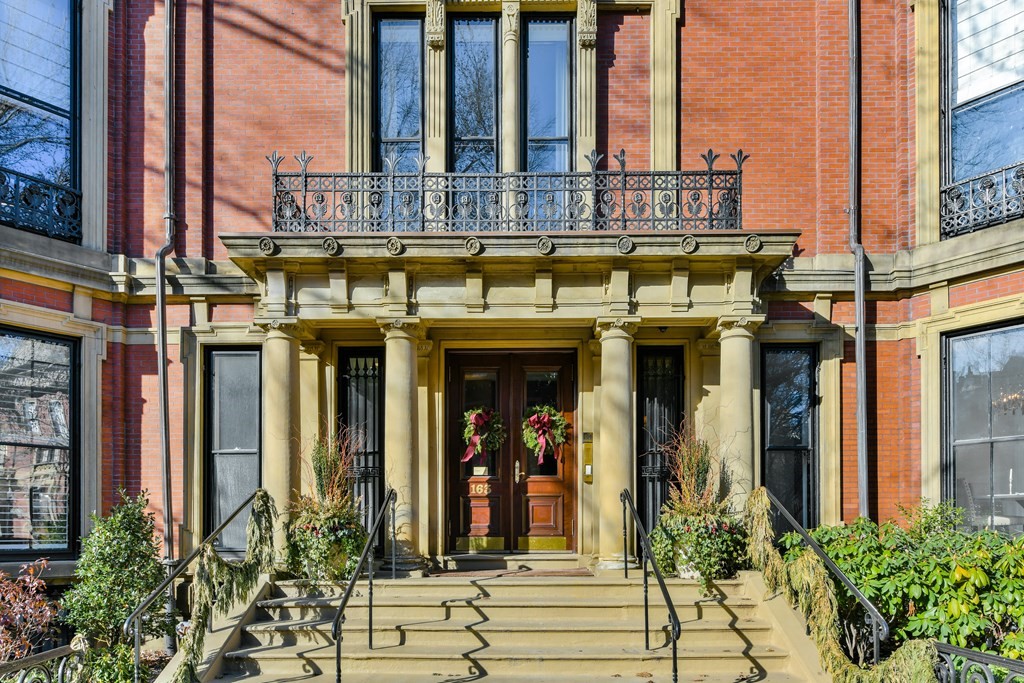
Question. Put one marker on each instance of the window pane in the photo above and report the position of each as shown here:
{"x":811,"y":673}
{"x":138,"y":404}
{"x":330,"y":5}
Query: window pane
{"x":988,"y":39}
{"x":399,"y":78}
{"x":35,"y":50}
{"x":474,"y":157}
{"x":548,"y":156}
{"x":788,"y":378}
{"x":35,"y":142}
{"x":35,"y":442}
{"x":1006,"y":363}
{"x":474,"y":78}
{"x":548,"y":78}
{"x":480,"y":390}
{"x":236,"y":401}
{"x":970,"y":385}
{"x":989,"y":134}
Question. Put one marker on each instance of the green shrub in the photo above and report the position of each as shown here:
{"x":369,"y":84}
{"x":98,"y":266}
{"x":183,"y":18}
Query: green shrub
{"x":712,"y":545}
{"x":113,"y":665}
{"x":930,"y":579}
{"x":119,"y":566}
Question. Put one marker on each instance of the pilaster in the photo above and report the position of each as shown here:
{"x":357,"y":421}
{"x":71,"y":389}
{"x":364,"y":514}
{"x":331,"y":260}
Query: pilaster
{"x":510,"y":85}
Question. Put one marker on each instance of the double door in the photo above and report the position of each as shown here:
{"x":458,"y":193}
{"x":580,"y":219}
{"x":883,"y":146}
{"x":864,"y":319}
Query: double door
{"x":510,"y":499}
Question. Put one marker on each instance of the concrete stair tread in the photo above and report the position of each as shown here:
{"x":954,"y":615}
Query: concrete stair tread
{"x":638,"y":677}
{"x":525,"y":602}
{"x":324,"y":625}
{"x":486,"y":652}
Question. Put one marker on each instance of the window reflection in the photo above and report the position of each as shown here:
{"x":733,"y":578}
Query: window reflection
{"x":986,"y":410}
{"x":548,"y":77}
{"x":399,"y":92}
{"x":474,"y":95}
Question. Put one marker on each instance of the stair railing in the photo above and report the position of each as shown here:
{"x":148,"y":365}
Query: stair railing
{"x":60,"y":665}
{"x":134,"y":620}
{"x":975,"y":665}
{"x":648,"y":557}
{"x":371,"y":538}
{"x":879,"y":626}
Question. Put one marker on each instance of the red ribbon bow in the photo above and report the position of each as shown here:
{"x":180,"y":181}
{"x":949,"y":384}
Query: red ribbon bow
{"x":479,"y":421}
{"x":541,"y":423}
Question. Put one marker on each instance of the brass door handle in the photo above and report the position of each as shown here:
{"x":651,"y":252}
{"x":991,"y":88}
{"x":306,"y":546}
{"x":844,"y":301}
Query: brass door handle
{"x":518,"y":473}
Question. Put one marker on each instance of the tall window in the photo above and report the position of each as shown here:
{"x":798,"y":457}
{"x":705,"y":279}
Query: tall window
{"x":474,"y":95}
{"x":984,"y":86}
{"x":984,"y":407}
{"x":38,"y":90}
{"x":38,"y":443}
{"x":788,"y":407}
{"x":232,"y":438}
{"x":399,"y":95}
{"x":547,"y":114}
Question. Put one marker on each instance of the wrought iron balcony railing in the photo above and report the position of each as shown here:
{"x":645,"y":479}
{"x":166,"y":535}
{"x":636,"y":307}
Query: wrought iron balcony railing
{"x":609,"y":200}
{"x":982,"y":201}
{"x":34,"y":204}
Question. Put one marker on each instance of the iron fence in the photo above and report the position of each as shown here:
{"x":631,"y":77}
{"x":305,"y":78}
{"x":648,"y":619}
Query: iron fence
{"x":34,"y":204}
{"x":982,"y":201}
{"x":608,"y":200}
{"x":959,"y":665}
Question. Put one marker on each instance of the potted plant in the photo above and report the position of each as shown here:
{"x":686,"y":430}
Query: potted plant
{"x":325,"y":533}
{"x":697,"y":536}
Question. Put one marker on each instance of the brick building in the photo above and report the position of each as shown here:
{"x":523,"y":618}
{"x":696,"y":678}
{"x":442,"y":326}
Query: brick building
{"x":389,"y":214}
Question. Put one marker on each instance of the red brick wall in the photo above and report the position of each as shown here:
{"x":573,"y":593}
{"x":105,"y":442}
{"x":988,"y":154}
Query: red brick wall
{"x":231,"y":313}
{"x":893,"y":425}
{"x":1010,"y":284}
{"x":623,"y":88}
{"x":252,"y":77}
{"x":35,"y":295}
{"x":771,"y":78}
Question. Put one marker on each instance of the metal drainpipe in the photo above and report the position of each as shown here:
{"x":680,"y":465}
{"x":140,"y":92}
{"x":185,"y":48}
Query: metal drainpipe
{"x":170,"y":229}
{"x":857,"y":248}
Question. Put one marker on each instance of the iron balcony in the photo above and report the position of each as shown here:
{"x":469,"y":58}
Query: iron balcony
{"x":421,"y":201}
{"x":31,"y":203}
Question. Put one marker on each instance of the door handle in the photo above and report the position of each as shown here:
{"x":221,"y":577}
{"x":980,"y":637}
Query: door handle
{"x":518,"y":473}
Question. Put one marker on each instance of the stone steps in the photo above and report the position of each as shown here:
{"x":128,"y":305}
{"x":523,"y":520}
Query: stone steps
{"x":562,"y":629}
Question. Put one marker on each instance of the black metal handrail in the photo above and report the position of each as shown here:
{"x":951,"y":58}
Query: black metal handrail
{"x":879,"y":626}
{"x":40,"y":667}
{"x":975,"y":665}
{"x":136,"y":616}
{"x":415,"y":200}
{"x":648,"y":556}
{"x":371,"y":538}
{"x":31,"y":203}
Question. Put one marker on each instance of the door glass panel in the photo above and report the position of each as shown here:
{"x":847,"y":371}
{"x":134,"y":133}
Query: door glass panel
{"x":541,"y":389}
{"x":789,"y":459}
{"x":479,"y":390}
{"x":233,"y":463}
{"x":362,"y":387}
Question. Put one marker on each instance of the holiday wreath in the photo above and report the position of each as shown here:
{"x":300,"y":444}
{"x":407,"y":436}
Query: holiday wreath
{"x":483,"y":430}
{"x":544,"y":429}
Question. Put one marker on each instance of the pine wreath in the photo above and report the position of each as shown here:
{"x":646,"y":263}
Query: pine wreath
{"x":544,"y":429}
{"x":483,"y":430}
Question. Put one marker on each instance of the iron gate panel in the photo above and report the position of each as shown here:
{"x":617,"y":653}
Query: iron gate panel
{"x":660,"y":390}
{"x":362,"y":411}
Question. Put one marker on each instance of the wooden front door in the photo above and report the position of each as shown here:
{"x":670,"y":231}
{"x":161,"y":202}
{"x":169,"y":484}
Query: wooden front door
{"x":510,"y":500}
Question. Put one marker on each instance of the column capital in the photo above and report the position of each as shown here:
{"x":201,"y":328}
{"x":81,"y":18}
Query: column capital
{"x":287,"y":327}
{"x":616,"y":328}
{"x":409,"y":328}
{"x":510,"y":23}
{"x":736,"y":326}
{"x":313,"y":347}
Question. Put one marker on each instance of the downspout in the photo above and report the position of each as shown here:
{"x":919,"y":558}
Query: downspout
{"x":853,"y":211}
{"x":161,"y":301}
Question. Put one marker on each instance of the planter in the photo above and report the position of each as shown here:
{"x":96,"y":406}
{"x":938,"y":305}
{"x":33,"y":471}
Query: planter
{"x":685,"y":568}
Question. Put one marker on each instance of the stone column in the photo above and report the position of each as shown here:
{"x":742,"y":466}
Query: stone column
{"x":614,"y":466}
{"x":280,"y":403}
{"x":510,"y":39}
{"x":736,"y":411}
{"x":401,"y":337}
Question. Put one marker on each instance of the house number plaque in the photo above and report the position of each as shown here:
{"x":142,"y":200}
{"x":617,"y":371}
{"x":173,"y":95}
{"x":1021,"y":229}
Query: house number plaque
{"x":480,"y":489}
